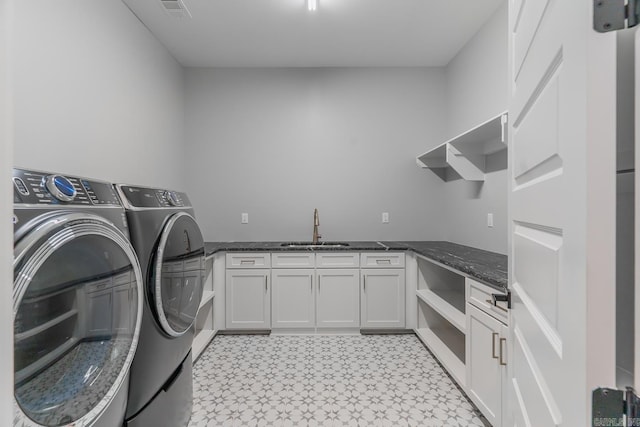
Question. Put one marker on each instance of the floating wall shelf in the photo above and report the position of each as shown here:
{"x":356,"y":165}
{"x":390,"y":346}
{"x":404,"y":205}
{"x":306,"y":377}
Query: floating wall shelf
{"x":466,"y":153}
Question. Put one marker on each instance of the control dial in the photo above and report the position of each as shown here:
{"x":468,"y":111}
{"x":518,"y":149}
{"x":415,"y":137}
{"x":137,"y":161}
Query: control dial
{"x":172,"y":198}
{"x":60,"y":188}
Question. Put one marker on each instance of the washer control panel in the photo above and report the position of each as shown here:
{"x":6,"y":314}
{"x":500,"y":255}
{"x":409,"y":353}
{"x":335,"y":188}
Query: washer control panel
{"x":143,"y":197}
{"x":42,"y":188}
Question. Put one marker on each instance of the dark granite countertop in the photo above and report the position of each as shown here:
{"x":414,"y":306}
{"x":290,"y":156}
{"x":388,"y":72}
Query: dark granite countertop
{"x":487,"y":267}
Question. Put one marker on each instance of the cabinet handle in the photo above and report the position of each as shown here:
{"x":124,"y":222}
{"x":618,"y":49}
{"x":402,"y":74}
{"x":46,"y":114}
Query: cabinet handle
{"x":496,"y":306}
{"x":502,"y":362}
{"x":266,"y":280}
{"x":493,"y":345}
{"x":364,"y":282}
{"x":318,"y":284}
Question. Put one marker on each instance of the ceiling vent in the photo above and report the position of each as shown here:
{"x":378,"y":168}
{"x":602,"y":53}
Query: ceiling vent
{"x":176,"y":8}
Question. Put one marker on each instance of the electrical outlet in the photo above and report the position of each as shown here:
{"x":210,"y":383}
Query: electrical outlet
{"x":245,"y":218}
{"x":385,"y":217}
{"x":490,"y":220}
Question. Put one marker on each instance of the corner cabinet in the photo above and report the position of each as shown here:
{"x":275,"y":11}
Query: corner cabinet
{"x":248,"y":291}
{"x":466,"y":154}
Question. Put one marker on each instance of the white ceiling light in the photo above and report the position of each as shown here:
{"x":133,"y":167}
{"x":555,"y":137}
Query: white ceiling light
{"x":312,"y":5}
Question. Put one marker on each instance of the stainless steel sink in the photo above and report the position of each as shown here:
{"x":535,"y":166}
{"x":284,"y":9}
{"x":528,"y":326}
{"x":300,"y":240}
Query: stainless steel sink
{"x":311,"y":245}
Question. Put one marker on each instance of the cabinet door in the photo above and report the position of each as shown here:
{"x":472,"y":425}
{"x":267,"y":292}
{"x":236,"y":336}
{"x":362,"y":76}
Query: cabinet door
{"x":248,"y":298}
{"x":99,"y":313}
{"x":292,"y":304}
{"x":383,"y":300}
{"x":484,"y":369}
{"x":338,"y":298}
{"x":123,"y":310}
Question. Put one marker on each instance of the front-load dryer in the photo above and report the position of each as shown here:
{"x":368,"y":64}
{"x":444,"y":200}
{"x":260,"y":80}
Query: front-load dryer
{"x":77,"y":302}
{"x":170,"y":247}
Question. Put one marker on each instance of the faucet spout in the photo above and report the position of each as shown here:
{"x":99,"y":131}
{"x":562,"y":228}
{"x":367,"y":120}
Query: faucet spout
{"x":316,"y":223}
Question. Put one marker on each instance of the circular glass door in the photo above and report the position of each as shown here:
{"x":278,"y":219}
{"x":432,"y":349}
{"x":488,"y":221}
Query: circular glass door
{"x":77,"y":313}
{"x":178,"y":274}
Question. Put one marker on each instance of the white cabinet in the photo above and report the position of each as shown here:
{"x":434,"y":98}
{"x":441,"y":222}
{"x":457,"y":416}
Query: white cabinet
{"x":338,"y":298}
{"x":315,"y":296}
{"x":383,"y":297}
{"x":292,"y":298}
{"x":248,"y":291}
{"x":382,"y":294}
{"x":486,"y":363}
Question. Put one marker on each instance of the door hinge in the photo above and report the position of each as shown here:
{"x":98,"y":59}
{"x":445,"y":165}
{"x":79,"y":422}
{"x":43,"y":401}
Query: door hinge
{"x":613,"y":15}
{"x":502,"y":298}
{"x":613,"y":407}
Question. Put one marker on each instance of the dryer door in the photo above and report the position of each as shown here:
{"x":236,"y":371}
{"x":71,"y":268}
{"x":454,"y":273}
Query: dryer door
{"x":77,"y":312}
{"x":178,"y":274}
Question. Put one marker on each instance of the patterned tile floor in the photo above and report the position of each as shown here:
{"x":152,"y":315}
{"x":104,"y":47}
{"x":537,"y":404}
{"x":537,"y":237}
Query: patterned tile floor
{"x":318,"y":380}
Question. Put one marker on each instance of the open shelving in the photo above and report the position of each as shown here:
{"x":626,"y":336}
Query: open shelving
{"x":466,"y":153}
{"x":205,"y":324}
{"x":441,"y":322}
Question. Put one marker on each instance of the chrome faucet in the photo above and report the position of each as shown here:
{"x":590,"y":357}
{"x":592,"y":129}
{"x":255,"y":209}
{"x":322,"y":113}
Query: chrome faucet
{"x":316,"y":223}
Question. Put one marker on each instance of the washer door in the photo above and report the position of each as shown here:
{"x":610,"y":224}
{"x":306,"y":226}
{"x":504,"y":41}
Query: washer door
{"x":77,"y":314}
{"x":178,"y":274}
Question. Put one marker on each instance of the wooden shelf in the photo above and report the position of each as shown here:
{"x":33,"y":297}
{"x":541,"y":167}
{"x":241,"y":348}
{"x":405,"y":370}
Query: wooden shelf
{"x":444,"y":303}
{"x":466,"y":153}
{"x":206,"y":297}
{"x":443,"y":352}
{"x":201,"y":341}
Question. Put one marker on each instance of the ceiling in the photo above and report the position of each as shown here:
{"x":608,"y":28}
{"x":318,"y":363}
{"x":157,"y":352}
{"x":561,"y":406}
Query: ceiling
{"x":340,"y":33}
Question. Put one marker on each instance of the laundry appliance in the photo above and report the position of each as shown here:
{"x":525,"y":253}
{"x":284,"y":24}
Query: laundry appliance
{"x":170,"y":247}
{"x":77,"y":301}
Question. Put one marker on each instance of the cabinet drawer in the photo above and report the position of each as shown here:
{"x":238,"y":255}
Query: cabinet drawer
{"x":99,"y":285}
{"x":382,"y":260}
{"x":337,"y":260}
{"x":480,"y":296}
{"x":248,"y":260}
{"x":193,"y":264}
{"x":293,"y":260}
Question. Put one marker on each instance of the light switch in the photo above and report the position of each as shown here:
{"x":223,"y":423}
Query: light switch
{"x":245,"y":218}
{"x":385,"y":217}
{"x":490,"y":220}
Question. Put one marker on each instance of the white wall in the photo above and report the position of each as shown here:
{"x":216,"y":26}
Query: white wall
{"x":277,"y":143}
{"x":6,"y":212}
{"x":477,"y":89}
{"x":96,"y":94}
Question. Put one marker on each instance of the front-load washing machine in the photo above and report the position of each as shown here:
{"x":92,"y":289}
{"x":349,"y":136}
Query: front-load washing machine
{"x":77,"y":302}
{"x":170,"y":247}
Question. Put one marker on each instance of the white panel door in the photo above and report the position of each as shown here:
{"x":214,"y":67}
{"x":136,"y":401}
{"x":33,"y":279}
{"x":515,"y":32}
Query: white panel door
{"x":562,"y":212}
{"x":292,"y":302}
{"x":338,"y":298}
{"x":248,"y":299}
{"x":382,"y":298}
